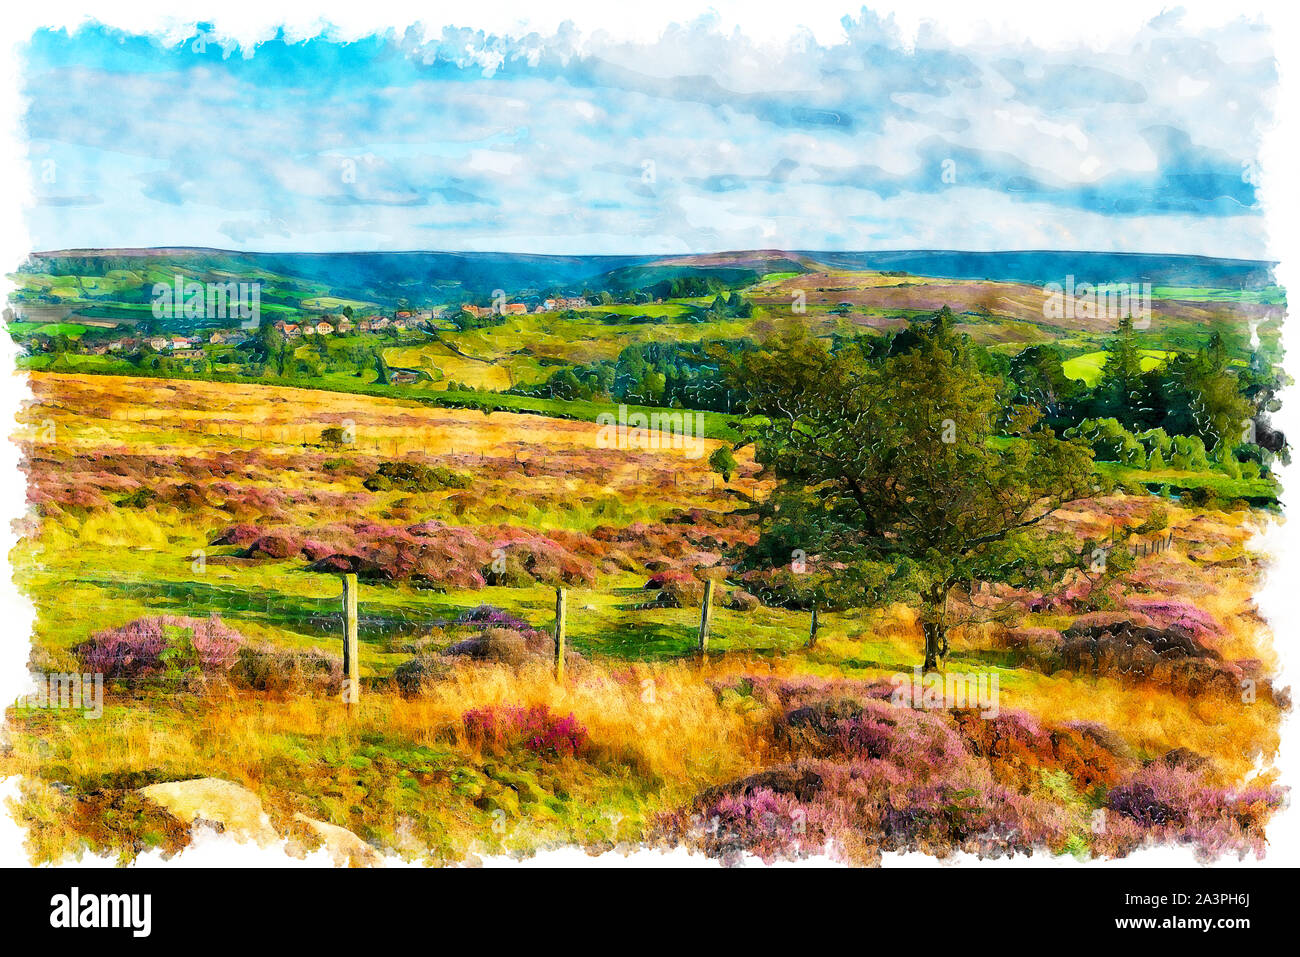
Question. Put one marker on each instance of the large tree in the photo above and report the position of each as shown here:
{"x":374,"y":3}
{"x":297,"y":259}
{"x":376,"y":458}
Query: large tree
{"x":899,"y":466}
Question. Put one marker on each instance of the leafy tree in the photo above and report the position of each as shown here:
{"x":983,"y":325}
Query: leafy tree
{"x":1110,"y":442}
{"x":723,"y":462}
{"x":1038,"y":376}
{"x":893,"y":467}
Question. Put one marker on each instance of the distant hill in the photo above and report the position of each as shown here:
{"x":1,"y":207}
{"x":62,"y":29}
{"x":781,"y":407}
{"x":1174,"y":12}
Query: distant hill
{"x":116,"y":284}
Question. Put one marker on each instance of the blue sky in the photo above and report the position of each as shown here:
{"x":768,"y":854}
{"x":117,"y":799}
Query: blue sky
{"x":693,"y":141}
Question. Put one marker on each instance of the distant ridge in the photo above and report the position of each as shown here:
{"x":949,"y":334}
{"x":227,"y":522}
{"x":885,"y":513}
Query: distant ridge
{"x":384,"y":272}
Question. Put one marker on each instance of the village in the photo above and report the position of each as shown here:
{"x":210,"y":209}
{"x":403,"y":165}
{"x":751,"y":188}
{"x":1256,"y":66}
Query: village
{"x":124,"y":338}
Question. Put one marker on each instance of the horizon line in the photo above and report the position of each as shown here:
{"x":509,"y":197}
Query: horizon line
{"x":73,"y":250}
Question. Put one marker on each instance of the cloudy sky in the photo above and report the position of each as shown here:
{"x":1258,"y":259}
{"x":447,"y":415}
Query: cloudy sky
{"x":695,"y":141}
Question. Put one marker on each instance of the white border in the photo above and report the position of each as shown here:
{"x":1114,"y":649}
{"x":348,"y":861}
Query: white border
{"x":1045,"y":24}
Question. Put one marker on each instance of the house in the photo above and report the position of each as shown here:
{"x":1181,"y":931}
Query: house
{"x":343,"y":325}
{"x":403,"y":315}
{"x":363,"y":325}
{"x":158,"y":343}
{"x":323,"y":328}
{"x":553,"y":305}
{"x":289,"y":329}
{"x":379,"y":322}
{"x":515,"y":309}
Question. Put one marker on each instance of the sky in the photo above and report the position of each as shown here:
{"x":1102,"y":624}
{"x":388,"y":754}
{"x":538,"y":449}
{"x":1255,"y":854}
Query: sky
{"x":696,"y":140}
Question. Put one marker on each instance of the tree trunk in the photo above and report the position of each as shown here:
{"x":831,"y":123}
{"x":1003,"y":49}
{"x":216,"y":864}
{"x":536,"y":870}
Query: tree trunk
{"x":936,"y":644}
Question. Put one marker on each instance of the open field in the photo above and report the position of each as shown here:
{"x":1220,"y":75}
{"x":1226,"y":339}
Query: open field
{"x":184,"y":498}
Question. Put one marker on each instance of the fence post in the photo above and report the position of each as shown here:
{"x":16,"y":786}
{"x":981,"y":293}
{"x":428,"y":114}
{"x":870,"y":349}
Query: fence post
{"x":706,"y":615}
{"x":812,"y":628}
{"x":561,"y":599}
{"x":351,"y":667}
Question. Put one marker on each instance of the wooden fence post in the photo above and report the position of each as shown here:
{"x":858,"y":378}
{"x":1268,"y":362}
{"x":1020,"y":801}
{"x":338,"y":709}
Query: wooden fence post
{"x":706,"y":615}
{"x":560,"y":601}
{"x":812,"y":628}
{"x":351,"y":668}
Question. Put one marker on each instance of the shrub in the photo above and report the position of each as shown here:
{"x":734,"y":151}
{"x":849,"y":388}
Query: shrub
{"x":501,"y":645}
{"x":411,"y":676}
{"x":1156,"y":442}
{"x":164,"y":646}
{"x":490,"y":615}
{"x":413,"y":477}
{"x":723,"y":462}
{"x":1156,"y":521}
{"x":676,"y":589}
{"x":1175,"y":804}
{"x":298,"y":672}
{"x":1189,"y":454}
{"x":535,"y":728}
{"x":1110,"y":442}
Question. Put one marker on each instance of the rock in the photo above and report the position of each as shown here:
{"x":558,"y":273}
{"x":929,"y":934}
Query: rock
{"x":343,"y":846}
{"x":235,"y":808}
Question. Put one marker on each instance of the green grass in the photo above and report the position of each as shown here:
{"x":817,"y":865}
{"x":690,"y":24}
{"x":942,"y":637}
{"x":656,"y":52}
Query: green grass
{"x":69,"y":329}
{"x":1088,"y":366}
{"x":1258,"y":490}
{"x":1269,"y":295}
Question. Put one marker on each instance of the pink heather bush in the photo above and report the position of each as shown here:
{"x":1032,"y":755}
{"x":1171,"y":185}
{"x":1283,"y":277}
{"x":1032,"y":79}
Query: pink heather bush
{"x":1166,"y":805}
{"x":762,"y":822}
{"x":1180,"y":616}
{"x":864,"y":776}
{"x":136,"y":649}
{"x":861,"y":808}
{"x":535,"y":728}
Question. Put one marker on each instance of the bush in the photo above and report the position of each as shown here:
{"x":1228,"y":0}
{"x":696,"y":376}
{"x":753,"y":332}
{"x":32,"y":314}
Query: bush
{"x":1189,"y":454}
{"x":413,"y":477}
{"x":535,"y":728}
{"x":1156,"y":442}
{"x":412,"y":676}
{"x":1156,"y":521}
{"x":288,"y":672}
{"x":168,"y":647}
{"x":500,"y":645}
{"x":1110,"y":442}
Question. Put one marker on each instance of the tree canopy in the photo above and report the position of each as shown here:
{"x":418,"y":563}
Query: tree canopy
{"x":900,"y":468}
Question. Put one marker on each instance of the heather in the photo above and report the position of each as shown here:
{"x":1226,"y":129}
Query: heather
{"x":162,"y":646}
{"x":535,"y":729}
{"x":186,"y":540}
